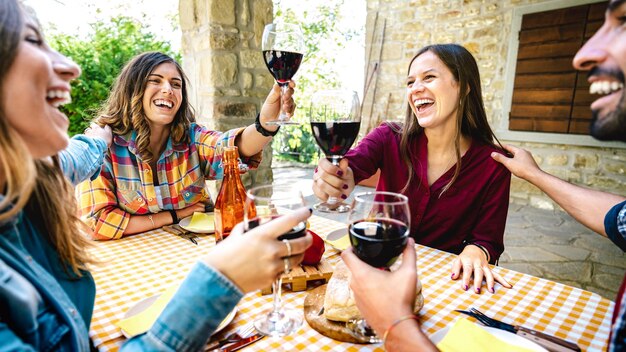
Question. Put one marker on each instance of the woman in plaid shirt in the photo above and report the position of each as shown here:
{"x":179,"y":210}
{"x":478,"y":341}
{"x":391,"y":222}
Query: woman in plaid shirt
{"x":155,"y":171}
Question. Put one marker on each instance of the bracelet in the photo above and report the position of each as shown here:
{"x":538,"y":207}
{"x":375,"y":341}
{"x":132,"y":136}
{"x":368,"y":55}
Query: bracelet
{"x":259,"y":127}
{"x":174,"y":216}
{"x":393,"y":325}
{"x":466,"y":243}
{"x":152,"y":221}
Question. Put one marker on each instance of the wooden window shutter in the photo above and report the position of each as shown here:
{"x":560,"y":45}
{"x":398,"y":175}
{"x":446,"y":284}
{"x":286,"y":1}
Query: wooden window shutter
{"x":549,"y":95}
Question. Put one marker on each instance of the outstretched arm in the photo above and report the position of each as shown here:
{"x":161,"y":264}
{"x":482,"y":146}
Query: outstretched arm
{"x":586,"y":205}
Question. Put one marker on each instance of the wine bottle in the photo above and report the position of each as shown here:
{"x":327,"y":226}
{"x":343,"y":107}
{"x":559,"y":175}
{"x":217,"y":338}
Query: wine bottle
{"x":232,"y":196}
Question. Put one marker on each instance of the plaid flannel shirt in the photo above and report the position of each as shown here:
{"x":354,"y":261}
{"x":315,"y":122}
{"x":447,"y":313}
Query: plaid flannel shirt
{"x":125,"y":184}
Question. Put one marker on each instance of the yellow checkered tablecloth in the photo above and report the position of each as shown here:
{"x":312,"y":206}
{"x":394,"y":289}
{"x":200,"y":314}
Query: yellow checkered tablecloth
{"x":144,"y":265}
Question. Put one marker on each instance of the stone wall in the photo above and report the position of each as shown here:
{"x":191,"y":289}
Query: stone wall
{"x":483,"y":27}
{"x":221,"y":48}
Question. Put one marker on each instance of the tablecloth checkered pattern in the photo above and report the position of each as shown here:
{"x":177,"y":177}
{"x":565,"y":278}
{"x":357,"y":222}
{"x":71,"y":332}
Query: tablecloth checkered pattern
{"x":144,"y":265}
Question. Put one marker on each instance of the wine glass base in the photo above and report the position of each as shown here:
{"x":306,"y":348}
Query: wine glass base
{"x":361,"y":330}
{"x":279,"y":324}
{"x":281,"y":123}
{"x":332,"y":208}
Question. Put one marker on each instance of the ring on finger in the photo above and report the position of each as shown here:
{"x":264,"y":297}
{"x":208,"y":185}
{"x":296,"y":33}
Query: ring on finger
{"x":287,"y":265}
{"x":286,"y":242}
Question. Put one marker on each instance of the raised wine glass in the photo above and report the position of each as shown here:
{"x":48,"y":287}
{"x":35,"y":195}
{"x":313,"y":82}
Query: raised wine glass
{"x":263,"y":204}
{"x":379,"y":230}
{"x":283,"y":49}
{"x":335,"y":121}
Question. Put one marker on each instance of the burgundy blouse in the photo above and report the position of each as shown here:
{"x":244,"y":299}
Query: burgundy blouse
{"x":473,"y":209}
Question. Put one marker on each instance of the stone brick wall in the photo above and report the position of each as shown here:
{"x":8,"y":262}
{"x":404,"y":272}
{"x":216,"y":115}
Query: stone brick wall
{"x":221,"y":48}
{"x":483,"y":27}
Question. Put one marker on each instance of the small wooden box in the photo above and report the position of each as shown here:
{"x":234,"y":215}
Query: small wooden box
{"x":301,"y":275}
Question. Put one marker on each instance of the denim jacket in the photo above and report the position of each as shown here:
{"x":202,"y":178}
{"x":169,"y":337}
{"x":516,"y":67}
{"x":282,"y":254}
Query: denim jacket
{"x":83,"y":158}
{"x":38,"y":312}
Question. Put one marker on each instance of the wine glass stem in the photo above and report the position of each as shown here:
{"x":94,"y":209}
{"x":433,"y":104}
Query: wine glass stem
{"x":335,"y":161}
{"x":284,"y":87}
{"x":277,"y":288}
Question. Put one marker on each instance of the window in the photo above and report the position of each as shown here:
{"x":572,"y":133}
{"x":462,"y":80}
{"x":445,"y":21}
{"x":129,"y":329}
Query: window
{"x":548,"y":94}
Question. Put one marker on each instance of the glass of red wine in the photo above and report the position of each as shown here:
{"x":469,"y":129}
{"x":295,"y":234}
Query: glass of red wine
{"x":283,"y":49}
{"x":264,"y":204}
{"x":335,"y":121}
{"x":379,"y":230}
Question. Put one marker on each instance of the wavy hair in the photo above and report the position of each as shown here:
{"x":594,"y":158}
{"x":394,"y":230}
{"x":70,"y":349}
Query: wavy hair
{"x":123,"y":110}
{"x":37,"y":186}
{"x":471,"y":119}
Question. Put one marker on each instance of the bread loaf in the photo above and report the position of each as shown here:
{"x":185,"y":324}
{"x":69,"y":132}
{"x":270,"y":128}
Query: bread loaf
{"x":339,"y":304}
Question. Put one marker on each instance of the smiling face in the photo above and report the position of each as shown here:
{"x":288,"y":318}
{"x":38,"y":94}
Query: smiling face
{"x":604,"y":56}
{"x":163,"y":94}
{"x":432,"y":92}
{"x":35,"y":86}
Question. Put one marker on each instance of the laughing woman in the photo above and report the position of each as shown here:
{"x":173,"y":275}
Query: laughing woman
{"x":440,"y":159}
{"x":155,"y":171}
{"x":46,"y":293}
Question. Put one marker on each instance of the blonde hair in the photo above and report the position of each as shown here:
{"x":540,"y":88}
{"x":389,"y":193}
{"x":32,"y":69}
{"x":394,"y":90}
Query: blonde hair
{"x":36,"y":186}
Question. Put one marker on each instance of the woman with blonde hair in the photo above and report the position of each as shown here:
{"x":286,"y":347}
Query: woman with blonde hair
{"x":156,"y":168}
{"x":47,"y":294}
{"x":440,"y":159}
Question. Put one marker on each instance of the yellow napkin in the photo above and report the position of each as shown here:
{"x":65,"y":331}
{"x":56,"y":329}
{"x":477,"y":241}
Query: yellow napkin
{"x":201,"y":222}
{"x":142,"y":322}
{"x":340,"y":243}
{"x":466,"y":336}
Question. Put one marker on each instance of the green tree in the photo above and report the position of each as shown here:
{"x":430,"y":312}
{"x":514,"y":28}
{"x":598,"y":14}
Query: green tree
{"x":324,"y":33}
{"x":101,"y":57}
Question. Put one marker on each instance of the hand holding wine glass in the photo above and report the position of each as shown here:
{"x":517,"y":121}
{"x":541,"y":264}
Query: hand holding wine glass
{"x":379,"y":230}
{"x":335,"y":121}
{"x":283,"y":50}
{"x":264,"y":204}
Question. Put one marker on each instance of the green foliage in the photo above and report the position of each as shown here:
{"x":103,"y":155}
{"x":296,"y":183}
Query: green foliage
{"x":323,"y":35}
{"x":101,"y":57}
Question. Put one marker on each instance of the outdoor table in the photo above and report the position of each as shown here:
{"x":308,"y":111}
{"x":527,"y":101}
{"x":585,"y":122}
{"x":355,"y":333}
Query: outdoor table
{"x":143,"y":265}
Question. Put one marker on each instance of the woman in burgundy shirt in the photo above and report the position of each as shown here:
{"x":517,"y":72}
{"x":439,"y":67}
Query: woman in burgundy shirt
{"x":440,"y":159}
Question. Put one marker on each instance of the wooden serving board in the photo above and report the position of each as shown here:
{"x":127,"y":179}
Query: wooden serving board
{"x":313,"y":304}
{"x":300,"y":276}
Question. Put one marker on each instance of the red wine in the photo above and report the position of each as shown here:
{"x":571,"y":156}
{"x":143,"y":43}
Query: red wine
{"x":282,"y":64}
{"x":335,"y":137}
{"x":296,"y":232}
{"x":378,"y":242}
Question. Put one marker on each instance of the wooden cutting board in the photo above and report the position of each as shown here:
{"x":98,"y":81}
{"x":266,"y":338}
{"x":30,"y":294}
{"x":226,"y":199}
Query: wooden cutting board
{"x":313,"y":304}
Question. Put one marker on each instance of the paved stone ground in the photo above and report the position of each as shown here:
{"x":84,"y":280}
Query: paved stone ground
{"x":544,"y":243}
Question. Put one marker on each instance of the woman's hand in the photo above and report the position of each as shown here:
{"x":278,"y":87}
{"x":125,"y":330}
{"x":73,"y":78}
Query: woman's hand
{"x":271,"y":106}
{"x":254,"y":259}
{"x":185,"y":212}
{"x":95,"y":131}
{"x":371,"y":288}
{"x":473,"y":261}
{"x":333,"y":181}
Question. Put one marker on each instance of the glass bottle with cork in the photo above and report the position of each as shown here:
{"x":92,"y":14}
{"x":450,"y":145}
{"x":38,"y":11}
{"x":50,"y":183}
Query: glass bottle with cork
{"x":231,"y":199}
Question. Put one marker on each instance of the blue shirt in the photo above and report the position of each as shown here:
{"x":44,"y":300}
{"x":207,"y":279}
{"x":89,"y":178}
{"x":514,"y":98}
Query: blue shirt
{"x":42,"y":307}
{"x":82,"y":158}
{"x":615,"y":227}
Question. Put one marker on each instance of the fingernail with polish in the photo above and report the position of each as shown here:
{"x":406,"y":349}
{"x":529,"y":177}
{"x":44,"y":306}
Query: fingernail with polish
{"x":478,"y":290}
{"x":344,"y":186}
{"x":493,"y":290}
{"x":343,"y":196}
{"x":339,"y":173}
{"x":311,"y":210}
{"x":452,"y":276}
{"x":315,"y":169}
{"x":465,"y":288}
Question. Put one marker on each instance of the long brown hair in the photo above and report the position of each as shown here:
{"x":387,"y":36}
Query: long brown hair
{"x":471,"y":119}
{"x":123,"y":110}
{"x":37,"y":186}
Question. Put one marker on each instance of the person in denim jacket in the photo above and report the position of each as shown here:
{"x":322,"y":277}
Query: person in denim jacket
{"x":47,"y":294}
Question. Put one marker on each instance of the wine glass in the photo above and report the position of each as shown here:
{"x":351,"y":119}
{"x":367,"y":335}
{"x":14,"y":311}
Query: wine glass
{"x":379,"y":230}
{"x":283,"y":49}
{"x":263,"y":204}
{"x":335,"y":121}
